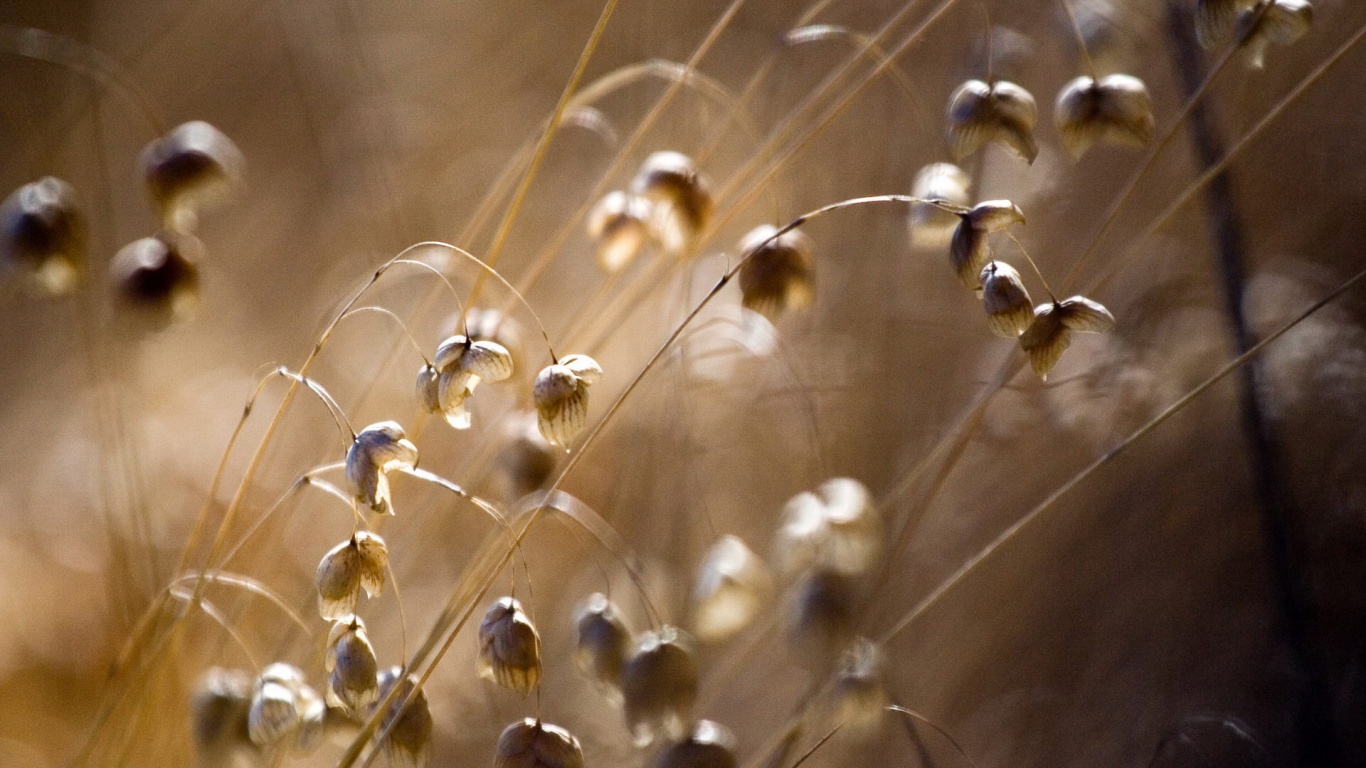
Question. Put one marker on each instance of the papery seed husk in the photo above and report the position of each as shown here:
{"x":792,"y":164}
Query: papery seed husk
{"x":1046,"y":339}
{"x":1283,"y":23}
{"x":620,"y":226}
{"x":410,"y":737}
{"x":1079,"y":313}
{"x":1116,"y":109}
{"x":378,"y":449}
{"x":710,"y":745}
{"x":1002,"y":111}
{"x":192,"y":166}
{"x":820,"y":618}
{"x":1007,"y":304}
{"x":534,"y":744}
{"x":427,"y":389}
{"x":969,"y":112}
{"x":584,"y":367}
{"x":969,"y":251}
{"x":681,"y":196}
{"x":354,"y":673}
{"x":994,"y":215}
{"x":659,"y":686}
{"x":778,"y":276}
{"x":509,"y":647}
{"x":488,"y":360}
{"x":1216,"y":19}
{"x":732,"y":585}
{"x":602,"y":641}
{"x":274,"y":714}
{"x":453,"y":387}
{"x":338,"y":581}
{"x":45,"y":235}
{"x":561,"y":400}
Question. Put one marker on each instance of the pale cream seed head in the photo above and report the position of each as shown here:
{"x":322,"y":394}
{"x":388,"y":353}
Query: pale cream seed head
{"x":534,"y":744}
{"x":1116,"y":109}
{"x":360,"y":562}
{"x":193,"y":166}
{"x":427,"y":388}
{"x":779,"y":275}
{"x":932,"y":227}
{"x":1003,"y":111}
{"x":509,"y":647}
{"x":285,"y":712}
{"x":45,"y":235}
{"x":560,"y":395}
{"x":1049,"y":336}
{"x":681,"y":198}
{"x":602,"y":641}
{"x":377,"y":450}
{"x":836,"y":529}
{"x":970,"y":247}
{"x":1283,"y":24}
{"x":659,"y":686}
{"x":409,"y":742}
{"x":1005,"y":299}
{"x":709,"y":745}
{"x":732,"y":586}
{"x":619,"y":225}
{"x":353,"y":672}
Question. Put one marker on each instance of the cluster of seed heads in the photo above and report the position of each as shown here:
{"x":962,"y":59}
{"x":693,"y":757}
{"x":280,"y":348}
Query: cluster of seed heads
{"x":668,"y":206}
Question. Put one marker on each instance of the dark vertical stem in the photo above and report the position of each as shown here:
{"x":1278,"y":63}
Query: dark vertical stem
{"x":1313,"y":729}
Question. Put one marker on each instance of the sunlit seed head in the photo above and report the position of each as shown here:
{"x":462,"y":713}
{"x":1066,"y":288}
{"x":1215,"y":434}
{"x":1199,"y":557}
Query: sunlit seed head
{"x":426,"y":389}
{"x":602,"y":641}
{"x":1116,"y":109}
{"x":779,"y":275}
{"x":620,"y":227}
{"x":933,"y":227}
{"x":285,"y":712}
{"x":819,"y":618}
{"x":1003,"y":111}
{"x":1051,"y":332}
{"x":492,"y":325}
{"x":44,"y":235}
{"x":681,"y":198}
{"x":835,"y":529}
{"x":659,"y":686}
{"x":732,"y":586}
{"x":377,"y":450}
{"x":509,"y":647}
{"x":709,"y":745}
{"x":192,"y":167}
{"x":219,"y":708}
{"x":360,"y":562}
{"x":353,"y":673}
{"x":157,"y":278}
{"x":534,"y":744}
{"x":409,"y":743}
{"x":1282,"y":24}
{"x":560,"y":394}
{"x":970,"y":247}
{"x":860,"y":692}
{"x":1007,"y":304}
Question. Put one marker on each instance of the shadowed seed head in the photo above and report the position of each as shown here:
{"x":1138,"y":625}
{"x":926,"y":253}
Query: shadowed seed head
{"x":44,"y":235}
{"x":409,"y":743}
{"x":353,"y":673}
{"x":601,"y":641}
{"x":219,"y":709}
{"x":509,"y":647}
{"x":191,"y":167}
{"x":157,"y":278}
{"x":1002,"y":111}
{"x":1283,"y":23}
{"x":620,"y":227}
{"x":681,"y":198}
{"x":659,"y":686}
{"x":533,"y":744}
{"x":1117,"y":109}
{"x":820,"y":618}
{"x":732,"y":585}
{"x":709,"y":745}
{"x":779,"y":275}
{"x":970,"y":248}
{"x":1051,"y":332}
{"x":1009,"y":310}
{"x":285,"y":712}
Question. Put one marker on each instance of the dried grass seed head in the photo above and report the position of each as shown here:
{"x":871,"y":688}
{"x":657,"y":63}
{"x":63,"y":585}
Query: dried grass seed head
{"x":1002,"y":111}
{"x":378,"y":449}
{"x":601,"y":641}
{"x":835,"y":529}
{"x":488,"y":324}
{"x":620,"y":227}
{"x":461,"y":364}
{"x":285,"y":712}
{"x":1009,"y":309}
{"x":560,"y":394}
{"x":860,"y":692}
{"x":360,"y":562}
{"x":193,"y":166}
{"x":45,"y":235}
{"x":534,"y":744}
{"x":931,"y":226}
{"x":353,"y":672}
{"x":1283,"y":23}
{"x":157,"y":278}
{"x":1117,"y":109}
{"x":709,"y":745}
{"x":732,"y":586}
{"x":970,"y":248}
{"x":659,"y":686}
{"x":427,"y":388}
{"x":1051,"y":332}
{"x":819,"y":618}
{"x":409,"y":743}
{"x":681,"y":198}
{"x":219,"y":711}
{"x":1215,"y":20}
{"x":509,"y":647}
{"x":777,"y":275}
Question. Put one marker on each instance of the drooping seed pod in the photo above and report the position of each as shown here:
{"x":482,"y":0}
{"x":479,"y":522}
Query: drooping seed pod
{"x":681,"y":198}
{"x":461,"y":364}
{"x":601,"y":641}
{"x":659,"y":686}
{"x":353,"y":672}
{"x":358,"y":563}
{"x":285,"y":712}
{"x":525,"y":458}
{"x":860,"y":693}
{"x":1215,"y":20}
{"x":428,"y":389}
{"x":709,"y":745}
{"x":932,"y":227}
{"x":193,"y":166}
{"x":1009,"y":309}
{"x":219,"y":711}
{"x":158,"y":277}
{"x":409,"y":743}
{"x":491,"y":325}
{"x":970,"y":249}
{"x":1282,"y":23}
{"x":1051,"y":332}
{"x":560,"y":395}
{"x":820,"y":618}
{"x":534,"y":744}
{"x":509,"y":647}
{"x":378,"y":449}
{"x":835,"y":529}
{"x":1117,"y":109}
{"x":44,"y":235}
{"x":620,"y":227}
{"x":732,"y":585}
{"x":777,"y":275}
{"x":1001,"y":111}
